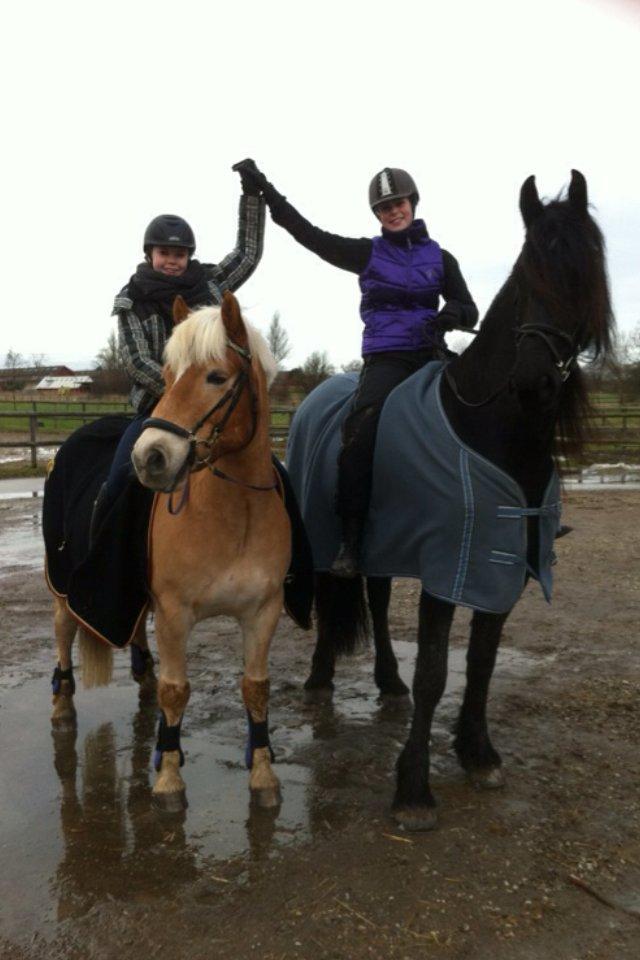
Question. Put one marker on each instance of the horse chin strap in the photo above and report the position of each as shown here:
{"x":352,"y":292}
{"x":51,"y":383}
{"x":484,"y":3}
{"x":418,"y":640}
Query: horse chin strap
{"x":192,"y":462}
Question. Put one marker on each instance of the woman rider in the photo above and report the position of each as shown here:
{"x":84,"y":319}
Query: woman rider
{"x":145,"y":318}
{"x":403,"y":274}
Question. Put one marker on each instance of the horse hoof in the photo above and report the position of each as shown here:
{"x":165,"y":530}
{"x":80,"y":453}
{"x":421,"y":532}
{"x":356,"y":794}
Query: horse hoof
{"x":395,"y":690}
{"x":487,"y":778}
{"x":267,"y":798}
{"x":313,"y":695}
{"x":175,"y":802}
{"x":415,"y":818}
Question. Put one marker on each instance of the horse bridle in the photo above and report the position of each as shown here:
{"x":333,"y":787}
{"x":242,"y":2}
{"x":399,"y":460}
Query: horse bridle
{"x":545,"y":331}
{"x":230,"y":399}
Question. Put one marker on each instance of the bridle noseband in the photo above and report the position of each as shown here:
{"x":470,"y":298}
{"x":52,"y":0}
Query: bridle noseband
{"x":192,"y":461}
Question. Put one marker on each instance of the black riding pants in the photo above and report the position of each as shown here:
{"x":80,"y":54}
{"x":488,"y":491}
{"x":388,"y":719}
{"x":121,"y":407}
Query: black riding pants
{"x":380,"y":374}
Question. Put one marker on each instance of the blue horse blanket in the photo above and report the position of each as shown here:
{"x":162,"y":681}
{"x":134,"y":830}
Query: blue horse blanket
{"x":439,"y":511}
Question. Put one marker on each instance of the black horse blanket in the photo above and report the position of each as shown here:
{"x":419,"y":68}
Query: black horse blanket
{"x":106,"y":587}
{"x":439,"y":512}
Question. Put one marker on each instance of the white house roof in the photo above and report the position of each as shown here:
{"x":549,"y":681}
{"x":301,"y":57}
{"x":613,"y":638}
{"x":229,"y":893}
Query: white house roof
{"x":63,"y":383}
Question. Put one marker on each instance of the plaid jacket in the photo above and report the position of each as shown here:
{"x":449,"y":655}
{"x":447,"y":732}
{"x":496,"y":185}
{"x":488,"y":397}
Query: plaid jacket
{"x":142,"y":341}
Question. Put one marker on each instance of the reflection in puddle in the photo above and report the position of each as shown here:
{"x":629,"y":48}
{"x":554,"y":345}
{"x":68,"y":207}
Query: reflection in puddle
{"x":78,"y":826}
{"x":78,"y":822}
{"x":22,"y":543}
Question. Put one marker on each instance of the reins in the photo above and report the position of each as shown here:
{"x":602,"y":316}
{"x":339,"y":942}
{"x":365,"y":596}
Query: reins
{"x":192,"y":462}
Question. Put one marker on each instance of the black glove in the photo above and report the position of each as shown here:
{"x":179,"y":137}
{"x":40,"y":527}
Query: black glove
{"x":253,"y":180}
{"x":447,"y":319}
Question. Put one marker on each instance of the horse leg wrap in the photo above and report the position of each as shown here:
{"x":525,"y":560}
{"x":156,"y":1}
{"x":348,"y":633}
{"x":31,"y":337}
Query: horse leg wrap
{"x":140,"y":660}
{"x":60,"y":675}
{"x":258,"y":737}
{"x":168,"y":740}
{"x":255,"y":694}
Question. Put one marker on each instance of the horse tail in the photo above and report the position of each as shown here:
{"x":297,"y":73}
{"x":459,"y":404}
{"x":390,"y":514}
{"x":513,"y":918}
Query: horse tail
{"x":96,"y":658}
{"x":342,"y":613}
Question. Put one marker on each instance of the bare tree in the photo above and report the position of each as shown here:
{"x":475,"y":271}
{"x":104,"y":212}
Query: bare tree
{"x":353,"y":366}
{"x":14,"y":361}
{"x":110,"y":357}
{"x":316,"y":368}
{"x":111,"y":375}
{"x":278,"y":340}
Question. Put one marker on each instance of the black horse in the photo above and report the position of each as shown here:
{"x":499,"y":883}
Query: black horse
{"x":515,"y":390}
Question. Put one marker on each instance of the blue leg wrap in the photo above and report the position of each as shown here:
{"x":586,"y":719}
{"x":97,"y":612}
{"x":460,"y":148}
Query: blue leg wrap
{"x":168,"y":740}
{"x":258,"y":737}
{"x":60,"y":675}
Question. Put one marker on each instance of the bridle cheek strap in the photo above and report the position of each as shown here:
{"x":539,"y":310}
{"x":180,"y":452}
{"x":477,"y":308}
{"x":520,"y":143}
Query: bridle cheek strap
{"x":545,"y":332}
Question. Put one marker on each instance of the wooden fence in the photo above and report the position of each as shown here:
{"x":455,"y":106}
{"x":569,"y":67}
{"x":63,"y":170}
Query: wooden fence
{"x":616,"y":433}
{"x":280,"y":422}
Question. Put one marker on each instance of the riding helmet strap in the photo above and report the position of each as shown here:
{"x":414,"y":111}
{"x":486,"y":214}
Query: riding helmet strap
{"x":60,"y":675}
{"x":258,"y":738}
{"x":168,"y":741}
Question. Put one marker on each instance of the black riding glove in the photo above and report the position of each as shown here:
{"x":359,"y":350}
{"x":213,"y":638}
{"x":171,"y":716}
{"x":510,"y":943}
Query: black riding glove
{"x":254,"y":181}
{"x":448,"y":319}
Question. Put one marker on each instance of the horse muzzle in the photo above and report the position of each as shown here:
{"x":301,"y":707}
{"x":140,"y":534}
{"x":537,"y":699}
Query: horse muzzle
{"x":159,"y":459}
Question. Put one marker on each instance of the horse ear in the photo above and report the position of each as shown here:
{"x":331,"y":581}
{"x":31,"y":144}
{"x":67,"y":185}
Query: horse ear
{"x":578,"y":191}
{"x":180,"y":310}
{"x":530,"y":204}
{"x":232,"y":319}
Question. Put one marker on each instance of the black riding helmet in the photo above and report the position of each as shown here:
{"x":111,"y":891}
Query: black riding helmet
{"x":392,"y":183}
{"x":168,"y":230}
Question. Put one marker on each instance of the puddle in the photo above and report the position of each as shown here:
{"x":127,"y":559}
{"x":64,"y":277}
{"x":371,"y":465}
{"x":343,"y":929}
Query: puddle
{"x":78,"y":825}
{"x":21,"y":537}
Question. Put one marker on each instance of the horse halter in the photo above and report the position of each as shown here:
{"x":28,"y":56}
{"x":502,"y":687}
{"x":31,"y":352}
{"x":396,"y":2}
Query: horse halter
{"x":230,"y":399}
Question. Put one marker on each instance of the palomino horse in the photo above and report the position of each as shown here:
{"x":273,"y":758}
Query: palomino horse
{"x":515,"y":389}
{"x":224,"y":548}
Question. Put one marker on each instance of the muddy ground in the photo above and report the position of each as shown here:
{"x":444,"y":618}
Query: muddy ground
{"x":90,"y":870}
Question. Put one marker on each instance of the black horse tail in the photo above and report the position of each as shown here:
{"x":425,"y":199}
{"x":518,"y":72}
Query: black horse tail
{"x":343,"y":623}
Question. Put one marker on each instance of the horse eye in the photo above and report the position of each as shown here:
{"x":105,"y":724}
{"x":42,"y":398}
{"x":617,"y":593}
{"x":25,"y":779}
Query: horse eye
{"x":216,"y":377}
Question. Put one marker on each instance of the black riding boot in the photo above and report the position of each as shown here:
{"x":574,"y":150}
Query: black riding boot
{"x":100,"y":507}
{"x":346,"y":563}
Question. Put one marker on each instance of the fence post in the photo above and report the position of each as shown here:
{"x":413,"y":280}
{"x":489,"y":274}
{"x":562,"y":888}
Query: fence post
{"x":33,"y":432}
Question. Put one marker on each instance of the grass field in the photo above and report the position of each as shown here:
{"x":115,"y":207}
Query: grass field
{"x":616,"y":434}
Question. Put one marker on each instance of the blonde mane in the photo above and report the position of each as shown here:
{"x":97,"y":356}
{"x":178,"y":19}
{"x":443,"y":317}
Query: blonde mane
{"x":202,"y":337}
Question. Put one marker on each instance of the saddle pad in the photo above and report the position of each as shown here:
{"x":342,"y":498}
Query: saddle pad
{"x":439,"y":511}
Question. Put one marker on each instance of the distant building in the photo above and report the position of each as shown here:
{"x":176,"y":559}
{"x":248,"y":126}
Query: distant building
{"x":69,"y":384}
{"x":26,"y":378}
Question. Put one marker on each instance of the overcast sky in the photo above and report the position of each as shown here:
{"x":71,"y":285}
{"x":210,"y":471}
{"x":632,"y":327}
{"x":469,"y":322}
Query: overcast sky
{"x":118,"y":111}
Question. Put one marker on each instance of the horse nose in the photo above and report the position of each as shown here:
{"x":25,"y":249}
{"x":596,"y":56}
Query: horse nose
{"x":156,"y":462}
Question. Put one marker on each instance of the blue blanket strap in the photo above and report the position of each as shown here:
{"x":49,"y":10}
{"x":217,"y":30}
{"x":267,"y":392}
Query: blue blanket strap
{"x":258,"y":737}
{"x":514,"y":513}
{"x":60,"y":675}
{"x":168,"y":741}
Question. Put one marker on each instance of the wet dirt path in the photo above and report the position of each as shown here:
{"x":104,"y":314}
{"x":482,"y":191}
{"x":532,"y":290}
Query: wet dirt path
{"x":91,"y":870}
